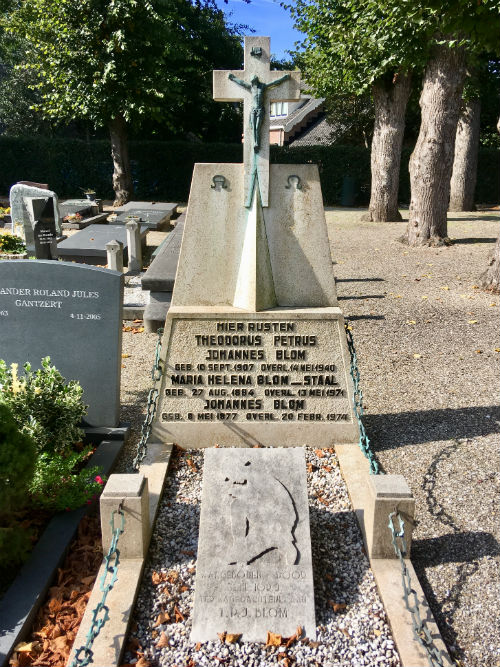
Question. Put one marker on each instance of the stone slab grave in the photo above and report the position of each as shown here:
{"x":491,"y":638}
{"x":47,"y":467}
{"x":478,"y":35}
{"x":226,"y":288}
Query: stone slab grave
{"x":159,"y":279}
{"x":89,"y":245}
{"x":254,"y":565}
{"x":254,"y":348}
{"x":35,"y":217}
{"x":87,"y":209}
{"x":73,"y":314}
{"x":156,"y":215}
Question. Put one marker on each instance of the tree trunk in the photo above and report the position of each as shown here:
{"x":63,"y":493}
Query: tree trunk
{"x":390,"y":100}
{"x":490,"y":279}
{"x":122,"y":177}
{"x":463,"y":179}
{"x":432,"y":159}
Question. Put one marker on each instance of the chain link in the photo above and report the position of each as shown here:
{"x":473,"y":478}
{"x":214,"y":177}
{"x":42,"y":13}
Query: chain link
{"x":357,"y":399}
{"x":152,"y":405}
{"x":420,"y":629}
{"x":100,"y":615}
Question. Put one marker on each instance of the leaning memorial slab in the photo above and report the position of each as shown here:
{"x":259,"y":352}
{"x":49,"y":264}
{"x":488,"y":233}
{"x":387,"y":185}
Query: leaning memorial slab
{"x":254,"y":566}
{"x":254,"y":347}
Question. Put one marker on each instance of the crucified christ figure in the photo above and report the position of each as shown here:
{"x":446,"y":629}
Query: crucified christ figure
{"x":257,"y":88}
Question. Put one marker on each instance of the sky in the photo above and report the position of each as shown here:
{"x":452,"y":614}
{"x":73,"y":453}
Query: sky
{"x":268,"y":19}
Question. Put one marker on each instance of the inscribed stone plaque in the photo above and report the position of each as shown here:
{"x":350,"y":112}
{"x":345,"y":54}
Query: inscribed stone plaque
{"x":254,"y":567}
{"x":277,"y":377}
{"x":73,"y":314}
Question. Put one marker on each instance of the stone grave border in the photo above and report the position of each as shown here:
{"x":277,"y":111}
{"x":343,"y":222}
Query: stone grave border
{"x":26,"y":594}
{"x":355,"y":470}
{"x":109,"y":644}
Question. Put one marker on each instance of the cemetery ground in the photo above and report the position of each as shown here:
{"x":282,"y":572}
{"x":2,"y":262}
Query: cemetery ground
{"x":428,"y":352}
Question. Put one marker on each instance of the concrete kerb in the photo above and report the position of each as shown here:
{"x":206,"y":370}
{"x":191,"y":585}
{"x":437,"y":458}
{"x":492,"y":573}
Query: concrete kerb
{"x":373,"y":497}
{"x":140,"y":516}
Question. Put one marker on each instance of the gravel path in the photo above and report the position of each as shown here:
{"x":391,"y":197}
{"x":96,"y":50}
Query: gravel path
{"x":427,"y":341}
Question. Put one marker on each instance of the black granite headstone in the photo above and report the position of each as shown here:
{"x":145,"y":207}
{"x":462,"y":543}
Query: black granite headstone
{"x":44,"y":229}
{"x":73,"y":314}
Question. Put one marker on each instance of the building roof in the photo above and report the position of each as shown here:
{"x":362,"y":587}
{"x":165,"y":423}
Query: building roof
{"x":321,"y":132}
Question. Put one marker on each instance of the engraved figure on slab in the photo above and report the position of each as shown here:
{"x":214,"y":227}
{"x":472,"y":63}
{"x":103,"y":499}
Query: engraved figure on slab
{"x":257,"y":88}
{"x":257,"y":533}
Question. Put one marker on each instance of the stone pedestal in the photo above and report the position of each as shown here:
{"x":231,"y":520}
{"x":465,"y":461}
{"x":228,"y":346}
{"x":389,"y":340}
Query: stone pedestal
{"x":114,"y":253}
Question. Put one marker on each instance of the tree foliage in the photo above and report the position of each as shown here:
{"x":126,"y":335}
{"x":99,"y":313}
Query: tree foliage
{"x":98,"y":60}
{"x":349,"y":44}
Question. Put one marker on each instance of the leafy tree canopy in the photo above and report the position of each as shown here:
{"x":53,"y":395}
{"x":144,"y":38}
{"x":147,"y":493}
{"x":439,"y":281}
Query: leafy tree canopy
{"x":351,"y":43}
{"x":138,"y":59}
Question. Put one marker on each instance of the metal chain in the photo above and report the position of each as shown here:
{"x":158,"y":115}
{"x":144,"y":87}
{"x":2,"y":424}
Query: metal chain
{"x":420,"y":629}
{"x":357,"y":399}
{"x":111,"y":561}
{"x":152,"y":405}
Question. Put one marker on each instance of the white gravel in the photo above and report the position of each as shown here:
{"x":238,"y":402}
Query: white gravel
{"x":356,"y":635}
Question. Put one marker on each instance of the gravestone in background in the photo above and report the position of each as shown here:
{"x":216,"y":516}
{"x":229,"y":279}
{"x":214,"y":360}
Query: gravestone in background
{"x":24,"y":213}
{"x":254,"y":347}
{"x":254,"y":565}
{"x":89,"y":244}
{"x":41,"y":213}
{"x":73,"y":314}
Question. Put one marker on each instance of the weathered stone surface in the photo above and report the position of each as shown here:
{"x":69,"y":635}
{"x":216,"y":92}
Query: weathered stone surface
{"x":168,"y":207}
{"x":23,"y":215}
{"x":254,"y":567}
{"x":73,"y":314}
{"x":89,"y":245}
{"x":156,"y":310}
{"x":218,"y":257}
{"x":279,"y":377}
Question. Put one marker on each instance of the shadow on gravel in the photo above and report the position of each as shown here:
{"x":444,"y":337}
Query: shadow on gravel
{"x":392,"y":430}
{"x":472,"y":240}
{"x":360,"y":280}
{"x":470,"y":218}
{"x":365,"y":296}
{"x":365,"y":317}
{"x":464,"y":550}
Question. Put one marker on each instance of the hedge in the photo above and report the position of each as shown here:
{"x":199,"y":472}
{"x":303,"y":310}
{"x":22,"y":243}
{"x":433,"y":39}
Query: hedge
{"x":162,"y":170}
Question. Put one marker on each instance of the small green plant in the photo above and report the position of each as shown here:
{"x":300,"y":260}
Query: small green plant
{"x":56,"y":486}
{"x":44,"y":406}
{"x":17,"y":465}
{"x":49,"y":410}
{"x":9,"y":243}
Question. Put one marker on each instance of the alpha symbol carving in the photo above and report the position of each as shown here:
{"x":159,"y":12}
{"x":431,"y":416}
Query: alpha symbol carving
{"x":263,"y":517}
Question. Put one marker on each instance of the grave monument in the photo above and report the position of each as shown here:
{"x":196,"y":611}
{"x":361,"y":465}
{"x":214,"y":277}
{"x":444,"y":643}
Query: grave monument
{"x":35,"y":214}
{"x":254,"y":348}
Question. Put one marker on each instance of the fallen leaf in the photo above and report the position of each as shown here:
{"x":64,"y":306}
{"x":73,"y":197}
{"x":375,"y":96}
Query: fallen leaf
{"x":222,"y":636}
{"x":192,"y":465}
{"x":198,"y":646}
{"x":319,"y":453}
{"x":125,"y":356}
{"x":163,"y":641}
{"x":232,"y":638}
{"x":273,"y":640}
{"x":162,"y":617}
{"x":337,"y":606}
{"x":24,"y":647}
{"x":293,"y":638}
{"x":309,"y":467}
{"x":417,"y":356}
{"x":377,"y":633}
{"x":345,"y":632}
{"x":179,"y":616}
{"x":497,"y":349}
{"x":142,"y":662}
{"x":472,"y":321}
{"x":137,"y":320}
{"x":159,"y":577}
{"x":425,"y":297}
{"x":445,"y":287}
{"x":183,"y":589}
{"x":479,"y":351}
{"x":492,"y":304}
{"x":411,"y":322}
{"x":327,"y":468}
{"x":138,"y":330}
